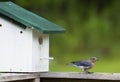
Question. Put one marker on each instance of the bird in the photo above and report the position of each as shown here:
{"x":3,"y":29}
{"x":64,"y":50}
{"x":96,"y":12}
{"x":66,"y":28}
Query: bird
{"x":84,"y":65}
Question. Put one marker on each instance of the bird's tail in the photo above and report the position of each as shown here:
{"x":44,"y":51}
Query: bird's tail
{"x":70,"y":64}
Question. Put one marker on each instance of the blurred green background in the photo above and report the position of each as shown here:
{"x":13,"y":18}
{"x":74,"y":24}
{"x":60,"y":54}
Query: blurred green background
{"x":92,"y":29}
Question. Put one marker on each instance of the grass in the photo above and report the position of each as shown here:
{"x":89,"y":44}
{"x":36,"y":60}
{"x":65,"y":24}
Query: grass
{"x":107,"y":63}
{"x":101,"y":66}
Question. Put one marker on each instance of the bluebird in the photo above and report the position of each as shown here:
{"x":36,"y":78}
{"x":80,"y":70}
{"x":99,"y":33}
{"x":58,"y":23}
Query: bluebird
{"x":84,"y":65}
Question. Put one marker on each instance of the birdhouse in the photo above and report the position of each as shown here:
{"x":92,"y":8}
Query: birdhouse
{"x":24,"y":39}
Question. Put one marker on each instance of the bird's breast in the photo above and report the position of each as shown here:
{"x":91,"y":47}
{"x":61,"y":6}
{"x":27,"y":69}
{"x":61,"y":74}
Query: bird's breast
{"x":92,"y":65}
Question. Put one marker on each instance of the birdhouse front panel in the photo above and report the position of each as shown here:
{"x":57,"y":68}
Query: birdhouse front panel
{"x":40,"y":57}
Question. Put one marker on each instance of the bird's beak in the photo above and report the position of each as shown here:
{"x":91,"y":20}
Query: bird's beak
{"x":97,"y":59}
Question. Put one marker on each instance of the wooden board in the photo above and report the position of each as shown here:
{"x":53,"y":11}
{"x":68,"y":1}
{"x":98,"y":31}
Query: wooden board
{"x":17,"y":76}
{"x":59,"y":77}
{"x":94,"y":76}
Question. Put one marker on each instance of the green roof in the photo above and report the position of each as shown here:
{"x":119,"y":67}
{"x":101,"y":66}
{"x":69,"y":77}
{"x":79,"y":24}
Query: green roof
{"x":28,"y":18}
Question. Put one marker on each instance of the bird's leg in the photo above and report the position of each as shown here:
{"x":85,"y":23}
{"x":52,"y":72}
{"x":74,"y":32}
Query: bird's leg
{"x":89,"y":72}
{"x":83,"y":70}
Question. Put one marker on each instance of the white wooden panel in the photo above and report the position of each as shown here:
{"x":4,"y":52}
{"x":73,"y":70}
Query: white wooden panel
{"x":45,"y":54}
{"x":40,"y":51}
{"x":23,"y":50}
{"x":6,"y":45}
{"x":15,"y":48}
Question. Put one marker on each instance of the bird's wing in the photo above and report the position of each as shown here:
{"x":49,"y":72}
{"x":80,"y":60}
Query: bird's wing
{"x":85,"y":63}
{"x":81,"y":63}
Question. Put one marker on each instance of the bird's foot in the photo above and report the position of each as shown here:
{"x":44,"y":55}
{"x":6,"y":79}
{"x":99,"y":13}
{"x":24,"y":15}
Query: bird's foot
{"x":87,"y":72}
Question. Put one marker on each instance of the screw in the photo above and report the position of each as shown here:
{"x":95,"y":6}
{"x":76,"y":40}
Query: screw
{"x":21,"y":32}
{"x":0,"y":25}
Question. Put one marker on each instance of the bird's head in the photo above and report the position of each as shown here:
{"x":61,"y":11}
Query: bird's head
{"x":93,"y":59}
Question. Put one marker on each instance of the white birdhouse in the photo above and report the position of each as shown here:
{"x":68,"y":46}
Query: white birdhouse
{"x":24,"y":39}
